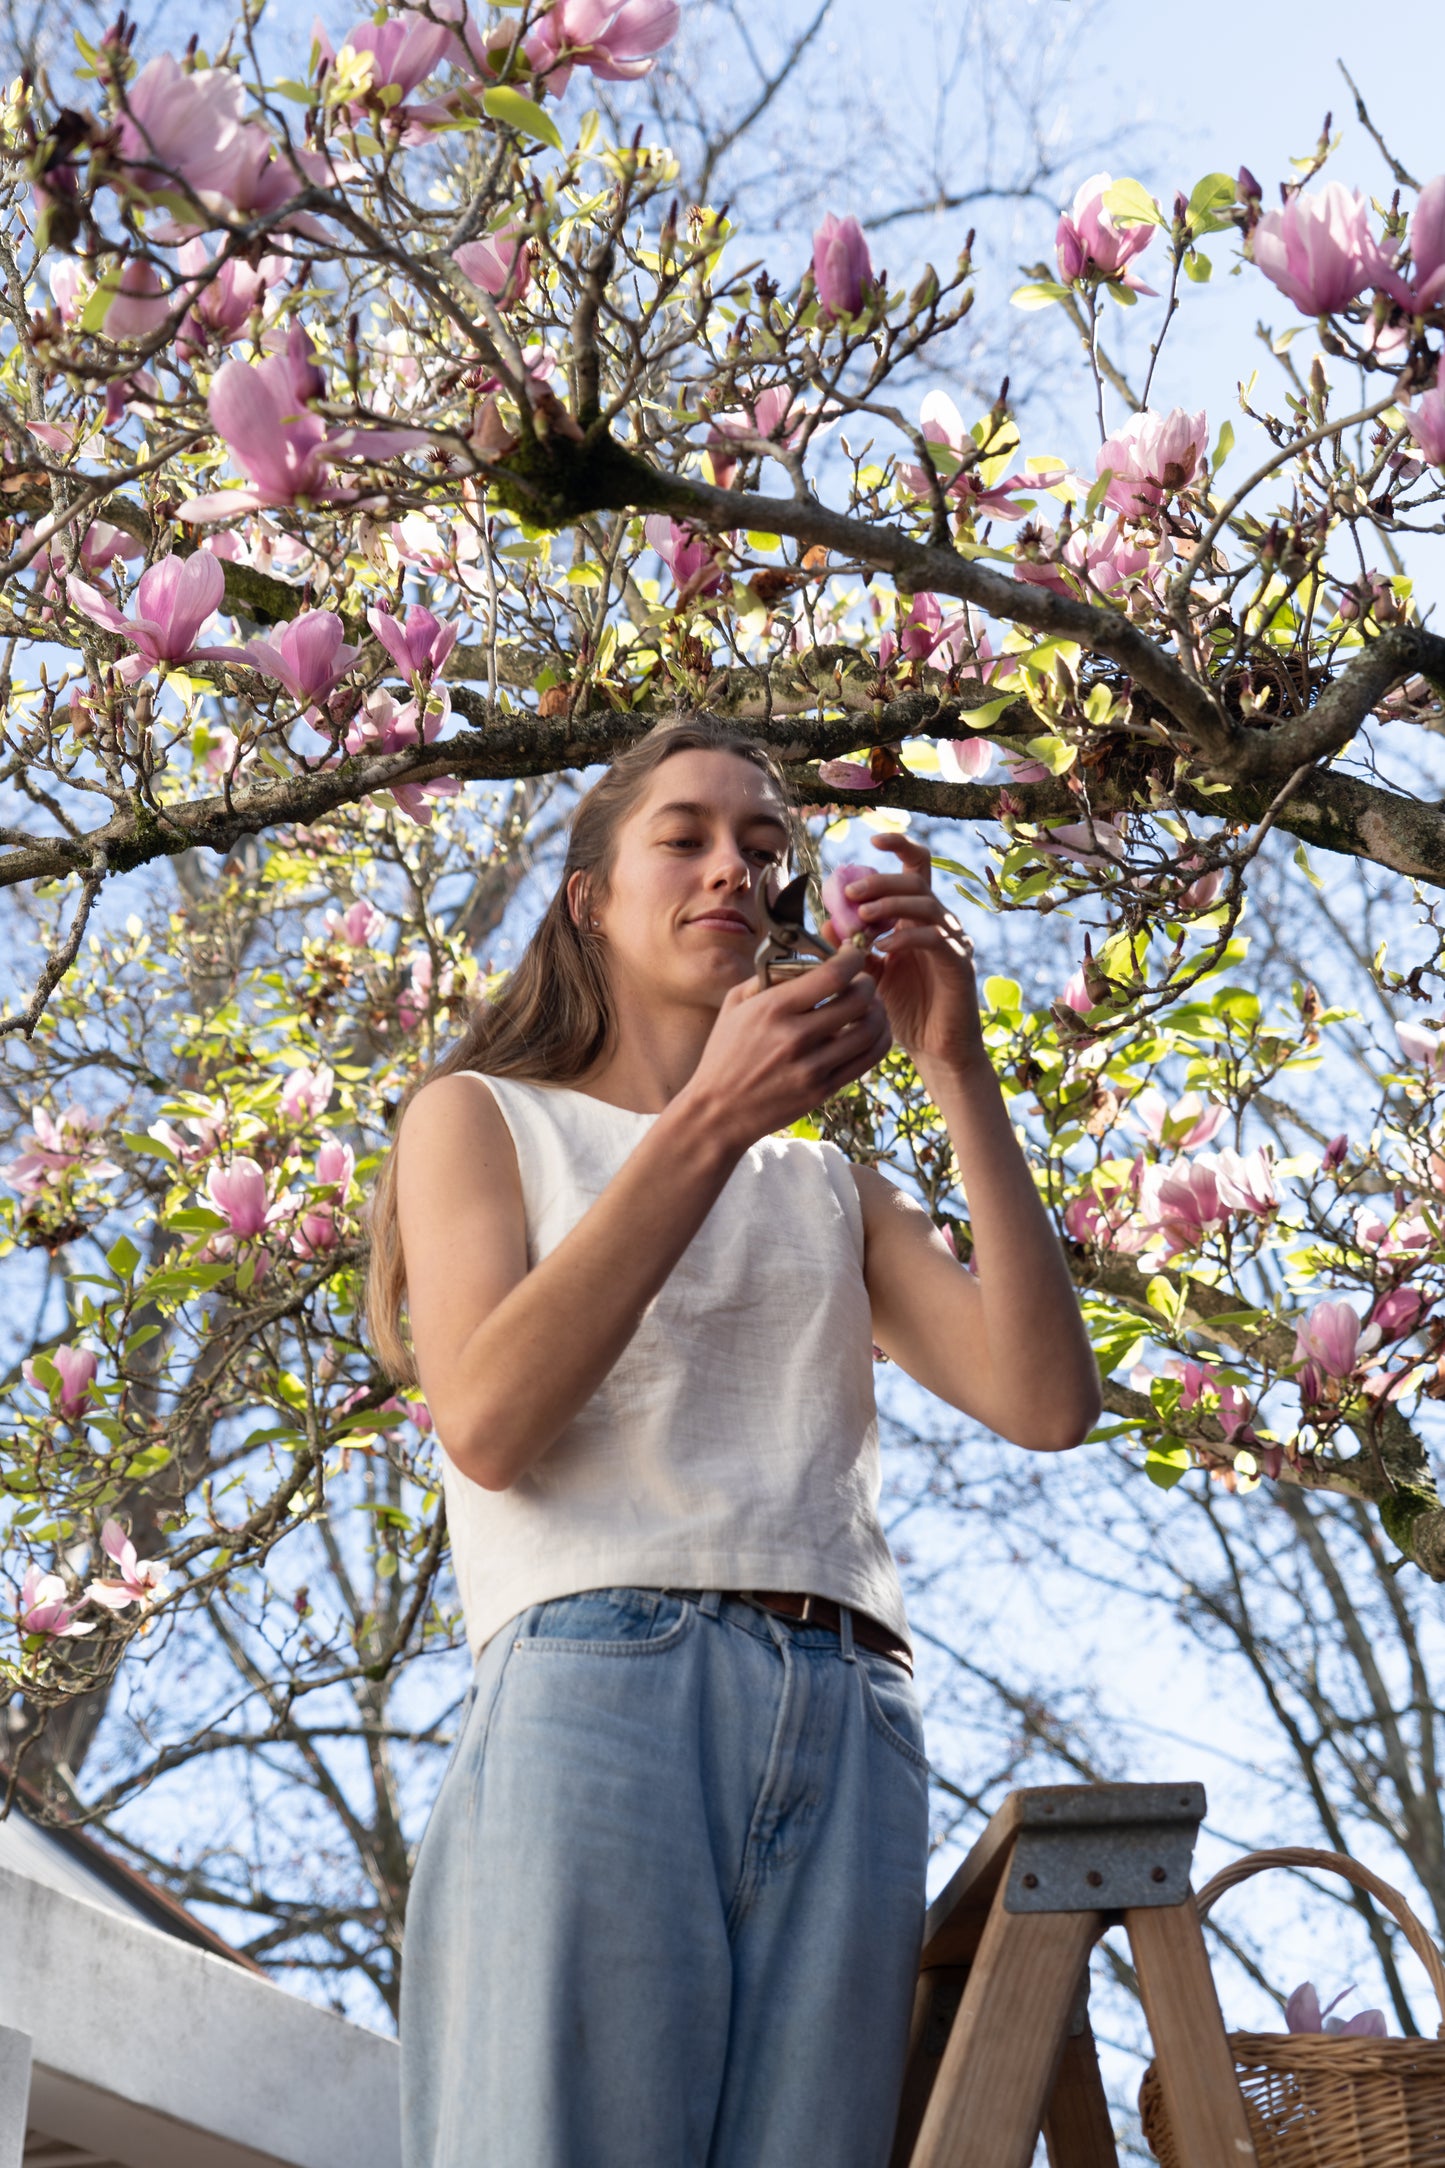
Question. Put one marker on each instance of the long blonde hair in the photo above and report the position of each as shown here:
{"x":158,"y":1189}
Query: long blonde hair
{"x":552,"y":1019}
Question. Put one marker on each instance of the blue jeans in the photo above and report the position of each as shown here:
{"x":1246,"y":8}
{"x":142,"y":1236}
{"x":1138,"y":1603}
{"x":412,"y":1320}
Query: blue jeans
{"x":668,"y":1908}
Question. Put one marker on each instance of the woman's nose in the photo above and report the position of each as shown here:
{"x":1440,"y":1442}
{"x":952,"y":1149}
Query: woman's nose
{"x":730,"y":866}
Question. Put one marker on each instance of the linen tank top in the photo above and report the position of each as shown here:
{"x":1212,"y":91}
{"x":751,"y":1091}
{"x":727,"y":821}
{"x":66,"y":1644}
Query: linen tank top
{"x":734,"y":1443}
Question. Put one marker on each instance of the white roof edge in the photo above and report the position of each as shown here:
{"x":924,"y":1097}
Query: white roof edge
{"x":122,"y":2009}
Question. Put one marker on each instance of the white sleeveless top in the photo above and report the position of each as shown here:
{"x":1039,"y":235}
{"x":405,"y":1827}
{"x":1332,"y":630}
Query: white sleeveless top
{"x":734,"y":1443}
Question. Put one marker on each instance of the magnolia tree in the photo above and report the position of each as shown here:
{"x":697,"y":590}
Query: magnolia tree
{"x":487,"y":451}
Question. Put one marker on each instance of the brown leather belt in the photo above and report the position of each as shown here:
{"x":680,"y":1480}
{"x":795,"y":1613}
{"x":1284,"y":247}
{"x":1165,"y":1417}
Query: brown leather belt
{"x":822,"y":1611}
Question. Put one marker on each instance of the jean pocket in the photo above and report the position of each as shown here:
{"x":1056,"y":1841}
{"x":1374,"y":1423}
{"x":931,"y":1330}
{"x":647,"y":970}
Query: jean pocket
{"x":608,"y":1622}
{"x":894,"y":1709}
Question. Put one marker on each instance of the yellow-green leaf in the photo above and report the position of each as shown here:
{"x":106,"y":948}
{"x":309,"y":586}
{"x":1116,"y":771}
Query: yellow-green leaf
{"x":514,"y":110}
{"x":1129,"y":203}
{"x":1038,"y":294}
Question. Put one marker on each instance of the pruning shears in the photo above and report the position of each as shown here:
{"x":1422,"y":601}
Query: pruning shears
{"x":788,"y":942}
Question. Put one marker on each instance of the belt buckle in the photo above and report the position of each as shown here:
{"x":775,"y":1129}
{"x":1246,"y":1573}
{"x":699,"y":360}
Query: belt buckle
{"x":807,"y":1611}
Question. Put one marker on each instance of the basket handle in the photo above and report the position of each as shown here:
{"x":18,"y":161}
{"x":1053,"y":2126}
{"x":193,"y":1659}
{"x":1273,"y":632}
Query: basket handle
{"x":1336,"y":1863}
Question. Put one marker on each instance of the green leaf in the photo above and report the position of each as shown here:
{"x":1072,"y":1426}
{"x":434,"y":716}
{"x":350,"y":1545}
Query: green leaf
{"x":1198,"y":267}
{"x":1213,"y":193}
{"x":514,"y":110}
{"x":1128,"y":203}
{"x":1223,"y":448}
{"x":97,"y":308}
{"x":1003,"y":994}
{"x":1038,"y":294}
{"x":1301,"y":859}
{"x":123,"y":1257}
{"x":1166,"y":1463}
{"x":147,"y":1462}
{"x":1097,"y":493}
{"x":984,"y":718}
{"x":1163,"y":1297}
{"x":195,"y":1220}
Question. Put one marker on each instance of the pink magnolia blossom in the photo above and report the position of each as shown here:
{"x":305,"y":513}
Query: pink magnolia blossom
{"x":842,"y":266}
{"x":308,"y":657}
{"x":618,"y":40}
{"x":1093,"y":843}
{"x":1425,"y":287}
{"x":1404,"y":1236}
{"x":306,"y":1093}
{"x":176,"y":123}
{"x":100,"y":546}
{"x":1200,"y":894}
{"x":1336,"y":1152}
{"x":1076,"y":995}
{"x":1245,"y":1181}
{"x":1181,"y":1202}
{"x":499,"y":263}
{"x":1200,"y":1378}
{"x":1319,"y":250}
{"x":316,"y":1230}
{"x":420,"y":646}
{"x":360,"y":925}
{"x":918,"y":633}
{"x":1190,"y":1122}
{"x":61,"y":1144}
{"x":1090,"y":245}
{"x":844,"y":918}
{"x":692,"y":558}
{"x":75,"y":1369}
{"x":1425,"y":420}
{"x":1329,"y":1338}
{"x":405,"y":49}
{"x":943,"y":425}
{"x":1101,"y":562}
{"x":1302,"y":2014}
{"x":415,"y":997}
{"x":1399,"y":1312}
{"x":139,"y":302}
{"x":335,"y":1166}
{"x":383,"y":727}
{"x":239,"y":1191}
{"x":964,"y":760}
{"x":46,"y":1606}
{"x":224,"y":304}
{"x":284,"y":450}
{"x":174,"y":599}
{"x":1150,"y":456}
{"x":774,"y":416}
{"x":1422,"y":1045}
{"x":847,"y":775}
{"x":140,"y":1580}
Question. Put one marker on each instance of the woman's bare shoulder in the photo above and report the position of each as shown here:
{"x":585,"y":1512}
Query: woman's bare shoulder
{"x":454,"y":1110}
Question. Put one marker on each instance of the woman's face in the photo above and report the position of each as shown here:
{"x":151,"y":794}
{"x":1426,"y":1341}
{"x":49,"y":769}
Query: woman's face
{"x":685,"y":909}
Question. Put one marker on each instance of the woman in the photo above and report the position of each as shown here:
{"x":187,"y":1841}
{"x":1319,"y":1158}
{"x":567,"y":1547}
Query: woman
{"x":668,"y":1907}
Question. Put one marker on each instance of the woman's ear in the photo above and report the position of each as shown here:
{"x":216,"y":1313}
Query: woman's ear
{"x":577,"y":898}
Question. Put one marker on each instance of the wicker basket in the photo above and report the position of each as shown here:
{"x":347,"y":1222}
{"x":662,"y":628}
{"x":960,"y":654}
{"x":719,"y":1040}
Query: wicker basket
{"x":1317,"y":2100}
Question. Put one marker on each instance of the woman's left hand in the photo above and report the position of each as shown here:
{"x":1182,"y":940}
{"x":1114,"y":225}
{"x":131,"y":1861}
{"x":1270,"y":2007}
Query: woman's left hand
{"x":925,"y":966}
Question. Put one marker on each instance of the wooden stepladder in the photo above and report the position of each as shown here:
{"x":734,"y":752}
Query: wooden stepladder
{"x":1001,"y":2050}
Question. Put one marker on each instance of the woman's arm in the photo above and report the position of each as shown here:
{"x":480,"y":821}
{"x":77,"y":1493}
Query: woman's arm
{"x":508,"y":1356}
{"x":1005,"y":1343}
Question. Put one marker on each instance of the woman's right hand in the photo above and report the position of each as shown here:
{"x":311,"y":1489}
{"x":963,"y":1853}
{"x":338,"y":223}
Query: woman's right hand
{"x":775,"y":1053}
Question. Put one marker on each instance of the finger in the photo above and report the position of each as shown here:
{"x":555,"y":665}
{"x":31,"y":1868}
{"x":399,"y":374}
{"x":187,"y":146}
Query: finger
{"x":903,"y":903}
{"x":927,"y":937}
{"x":839,"y":1014}
{"x":904,"y":847}
{"x":822,"y":981}
{"x":855,"y":1063}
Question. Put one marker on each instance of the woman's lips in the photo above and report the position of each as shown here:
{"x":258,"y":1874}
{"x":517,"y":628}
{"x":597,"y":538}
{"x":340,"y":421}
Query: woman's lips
{"x":724,"y":922}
